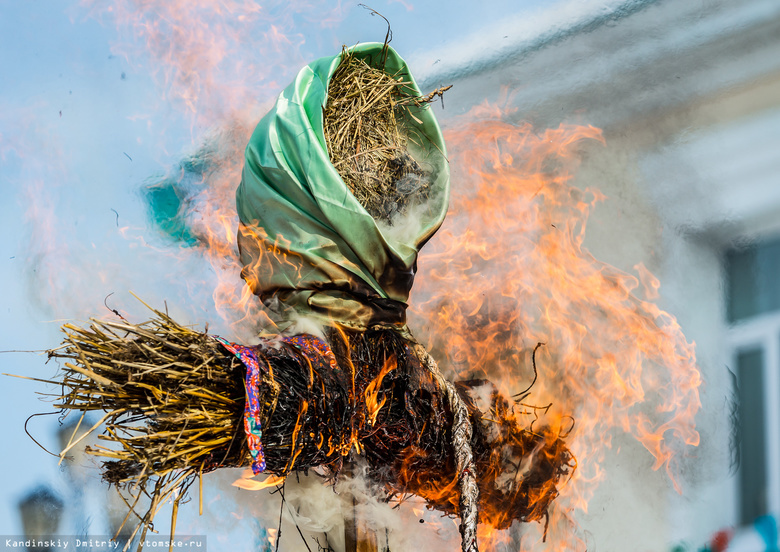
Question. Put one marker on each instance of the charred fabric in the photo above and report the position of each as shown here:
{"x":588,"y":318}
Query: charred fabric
{"x":350,"y":153}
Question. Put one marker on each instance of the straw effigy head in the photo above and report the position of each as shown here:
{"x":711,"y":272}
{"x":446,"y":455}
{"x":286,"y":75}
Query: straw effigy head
{"x":368,"y":128}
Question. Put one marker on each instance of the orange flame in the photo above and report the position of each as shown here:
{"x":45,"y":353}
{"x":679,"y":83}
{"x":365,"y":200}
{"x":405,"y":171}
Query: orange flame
{"x":508,"y":270}
{"x":219,"y":63}
{"x":248,"y":483}
{"x":372,"y":391}
{"x":193,"y":48}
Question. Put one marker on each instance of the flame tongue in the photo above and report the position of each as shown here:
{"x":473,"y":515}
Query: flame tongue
{"x":508,"y":270}
{"x":373,"y":405}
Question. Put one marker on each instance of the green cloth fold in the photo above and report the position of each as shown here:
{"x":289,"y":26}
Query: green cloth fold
{"x":308,"y":247}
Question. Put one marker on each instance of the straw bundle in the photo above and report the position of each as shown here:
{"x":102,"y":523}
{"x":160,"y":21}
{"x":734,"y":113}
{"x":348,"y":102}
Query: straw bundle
{"x":367,"y":136}
{"x":174,"y":402}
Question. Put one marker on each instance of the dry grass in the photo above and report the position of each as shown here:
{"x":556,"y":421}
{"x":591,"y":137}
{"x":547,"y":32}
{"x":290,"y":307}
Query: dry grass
{"x":367,"y":138}
{"x":173,"y":399}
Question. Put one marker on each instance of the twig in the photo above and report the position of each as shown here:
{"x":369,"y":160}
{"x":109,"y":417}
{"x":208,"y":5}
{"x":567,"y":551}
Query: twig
{"x":33,"y":438}
{"x":524,"y":393}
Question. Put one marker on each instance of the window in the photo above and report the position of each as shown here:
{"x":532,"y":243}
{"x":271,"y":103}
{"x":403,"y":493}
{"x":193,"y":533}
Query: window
{"x":753,"y":308}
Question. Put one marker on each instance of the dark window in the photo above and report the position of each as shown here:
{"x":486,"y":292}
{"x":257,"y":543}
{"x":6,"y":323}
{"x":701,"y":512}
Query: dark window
{"x":752,"y":472}
{"x":753,"y":280}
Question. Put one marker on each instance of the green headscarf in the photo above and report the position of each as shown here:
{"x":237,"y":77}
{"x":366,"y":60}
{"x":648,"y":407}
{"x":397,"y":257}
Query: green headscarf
{"x":307,"y":245}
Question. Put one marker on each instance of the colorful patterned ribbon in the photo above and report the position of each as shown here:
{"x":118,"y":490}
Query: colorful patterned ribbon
{"x":315,"y":349}
{"x":253,"y":426}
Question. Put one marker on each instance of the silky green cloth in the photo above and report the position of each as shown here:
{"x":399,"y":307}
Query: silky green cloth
{"x":308,"y":247}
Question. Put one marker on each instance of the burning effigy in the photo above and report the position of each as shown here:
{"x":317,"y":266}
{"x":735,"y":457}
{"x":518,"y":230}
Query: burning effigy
{"x":344,"y":181}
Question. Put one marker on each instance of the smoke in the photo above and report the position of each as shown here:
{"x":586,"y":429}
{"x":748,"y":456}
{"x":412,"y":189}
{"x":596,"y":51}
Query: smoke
{"x":310,"y":511}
